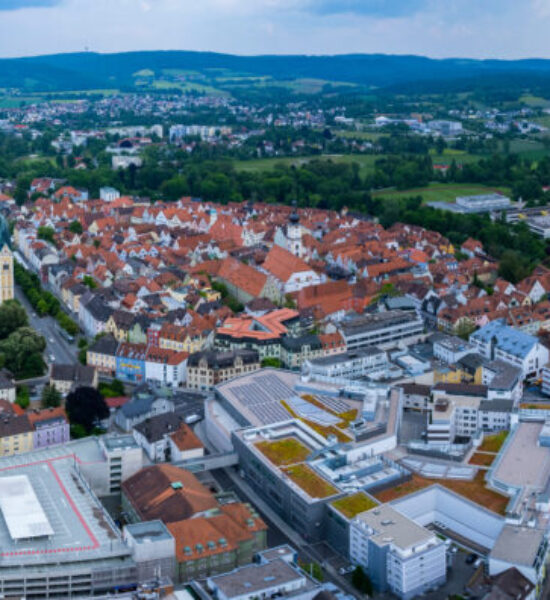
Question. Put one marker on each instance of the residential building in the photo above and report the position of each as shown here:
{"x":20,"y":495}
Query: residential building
{"x":50,"y":427}
{"x":65,"y":378}
{"x":208,"y":368}
{"x":102,"y":354}
{"x":130,"y":362}
{"x":525,"y":548}
{"x":450,"y":349}
{"x":289,"y":270}
{"x":499,"y":341}
{"x":7,"y":386}
{"x":184,"y":444}
{"x":398,"y":555}
{"x":108,"y":194}
{"x":245,"y":283}
{"x":16,"y":434}
{"x":155,"y":434}
{"x":143,"y":405}
{"x":165,"y":366}
{"x":93,"y":314}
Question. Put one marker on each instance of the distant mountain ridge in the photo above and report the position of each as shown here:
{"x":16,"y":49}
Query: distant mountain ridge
{"x":90,"y":70}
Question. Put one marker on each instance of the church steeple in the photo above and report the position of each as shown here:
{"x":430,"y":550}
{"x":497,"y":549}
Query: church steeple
{"x":294,"y":232}
{"x":294,"y":216}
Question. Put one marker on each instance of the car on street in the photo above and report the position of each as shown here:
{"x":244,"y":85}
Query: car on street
{"x":471,"y":558}
{"x":52,"y":358}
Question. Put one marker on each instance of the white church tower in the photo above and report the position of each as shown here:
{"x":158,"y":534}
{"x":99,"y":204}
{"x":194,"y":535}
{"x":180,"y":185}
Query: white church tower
{"x":294,"y":233}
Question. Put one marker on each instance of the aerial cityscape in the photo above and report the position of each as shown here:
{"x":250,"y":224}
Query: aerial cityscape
{"x":275,"y":312}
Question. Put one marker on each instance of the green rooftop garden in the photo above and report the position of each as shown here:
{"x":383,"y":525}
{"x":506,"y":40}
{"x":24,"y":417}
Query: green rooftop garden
{"x":283,"y":452}
{"x":350,"y":506}
{"x":312,"y":484}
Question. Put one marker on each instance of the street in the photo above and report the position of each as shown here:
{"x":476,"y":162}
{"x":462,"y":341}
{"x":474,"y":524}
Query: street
{"x":56,"y":345}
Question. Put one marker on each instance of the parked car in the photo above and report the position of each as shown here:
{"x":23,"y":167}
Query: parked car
{"x":471,"y":558}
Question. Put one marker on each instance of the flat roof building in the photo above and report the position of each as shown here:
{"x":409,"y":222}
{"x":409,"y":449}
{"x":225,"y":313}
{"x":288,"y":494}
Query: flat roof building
{"x":398,"y":554}
{"x":381,"y":329}
{"x":55,"y":535}
{"x":524,"y":548}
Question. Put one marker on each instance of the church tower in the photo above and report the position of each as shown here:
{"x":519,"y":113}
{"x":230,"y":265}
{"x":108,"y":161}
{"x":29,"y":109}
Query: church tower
{"x":294,"y":233}
{"x":6,"y":274}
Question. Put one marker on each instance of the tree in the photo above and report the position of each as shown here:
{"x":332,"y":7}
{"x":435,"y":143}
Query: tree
{"x":46,"y":233}
{"x":86,"y":407}
{"x":23,"y":353}
{"x":361,"y":582}
{"x":23,"y":397}
{"x":464,"y":329}
{"x":12,"y":316}
{"x":76,"y":227}
{"x":513,"y":267}
{"x":89,"y":281}
{"x":51,"y":398}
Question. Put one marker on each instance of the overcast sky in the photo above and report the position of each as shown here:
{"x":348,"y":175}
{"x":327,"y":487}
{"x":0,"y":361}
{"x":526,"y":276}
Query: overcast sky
{"x":437,"y":28}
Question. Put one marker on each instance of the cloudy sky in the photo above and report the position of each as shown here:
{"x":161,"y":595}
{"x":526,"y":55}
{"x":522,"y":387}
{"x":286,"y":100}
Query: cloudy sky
{"x":438,"y":28}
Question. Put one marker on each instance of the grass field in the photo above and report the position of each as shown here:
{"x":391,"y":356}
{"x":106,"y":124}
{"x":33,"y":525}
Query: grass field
{"x":369,"y":136}
{"x":365,"y":161}
{"x":441,"y":192}
{"x":531,"y":100}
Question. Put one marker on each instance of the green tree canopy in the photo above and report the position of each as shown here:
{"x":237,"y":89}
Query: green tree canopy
{"x":86,"y":407}
{"x":51,"y":397}
{"x":12,"y":316}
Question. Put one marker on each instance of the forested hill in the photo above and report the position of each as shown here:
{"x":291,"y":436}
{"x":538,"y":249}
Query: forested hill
{"x":125,"y":70}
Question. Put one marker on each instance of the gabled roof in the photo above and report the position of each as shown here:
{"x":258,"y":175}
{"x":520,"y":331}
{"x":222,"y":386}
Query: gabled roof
{"x":167,"y":493}
{"x":283,"y":264}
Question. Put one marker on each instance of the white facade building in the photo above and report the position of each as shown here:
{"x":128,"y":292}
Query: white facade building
{"x":499,"y":341}
{"x":398,"y":554}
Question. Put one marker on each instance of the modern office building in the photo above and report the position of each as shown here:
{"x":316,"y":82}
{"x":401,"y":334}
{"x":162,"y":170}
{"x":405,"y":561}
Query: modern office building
{"x":381,"y":329}
{"x":399,"y":555}
{"x":348,"y":365}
